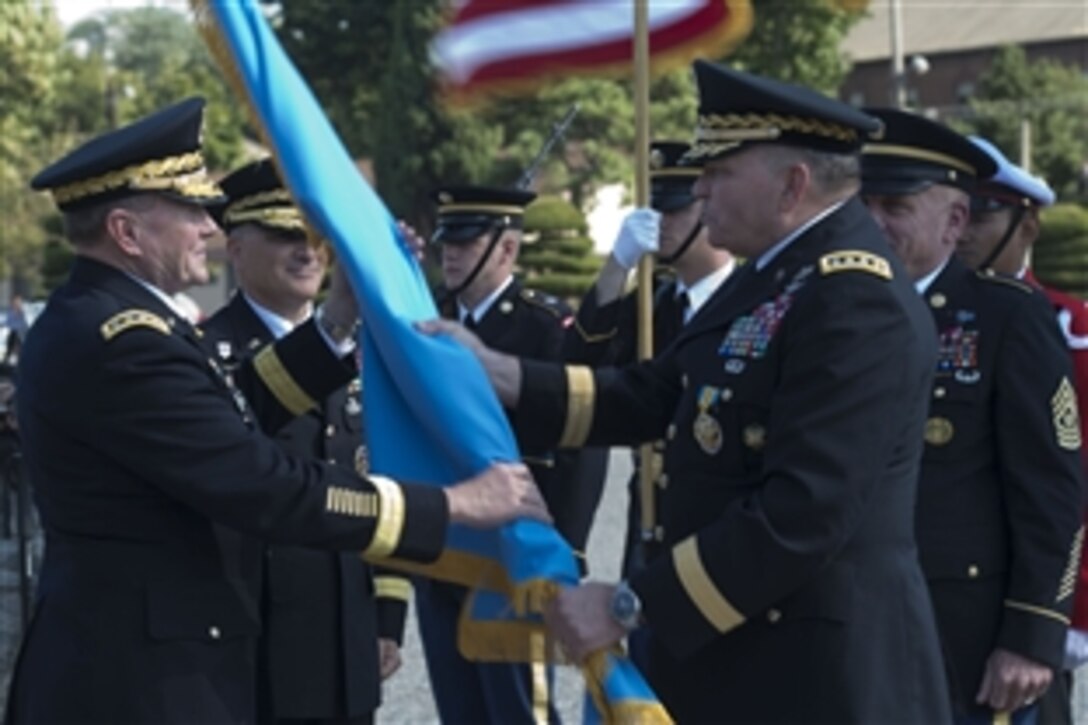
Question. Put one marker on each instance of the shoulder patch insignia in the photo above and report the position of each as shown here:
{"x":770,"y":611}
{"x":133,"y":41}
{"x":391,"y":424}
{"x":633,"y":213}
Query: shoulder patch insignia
{"x":855,"y":261}
{"x":1063,"y":405}
{"x":551,"y":303}
{"x":128,"y":319}
{"x":990,"y":276}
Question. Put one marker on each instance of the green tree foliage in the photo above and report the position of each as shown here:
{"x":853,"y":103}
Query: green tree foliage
{"x":1054,"y":98}
{"x":1060,"y":256}
{"x":142,"y":59}
{"x":798,"y":41}
{"x":368,"y":64}
{"x":29,"y":37}
{"x":419,"y":145}
{"x":557,"y":256}
{"x":59,"y":90}
{"x":342,"y":48}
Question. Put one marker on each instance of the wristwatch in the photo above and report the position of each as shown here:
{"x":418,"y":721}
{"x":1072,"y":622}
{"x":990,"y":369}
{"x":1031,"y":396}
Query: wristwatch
{"x":336,"y":330}
{"x":626,"y":607}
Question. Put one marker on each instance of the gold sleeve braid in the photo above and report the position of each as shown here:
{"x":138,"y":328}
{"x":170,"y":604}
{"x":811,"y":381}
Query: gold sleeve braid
{"x":700,"y":588}
{"x":581,"y":395}
{"x":271,"y":371}
{"x":391,"y":513}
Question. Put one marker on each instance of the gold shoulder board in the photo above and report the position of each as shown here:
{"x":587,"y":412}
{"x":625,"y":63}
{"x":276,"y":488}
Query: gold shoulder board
{"x":990,"y":276}
{"x":128,"y":319}
{"x":855,"y":261}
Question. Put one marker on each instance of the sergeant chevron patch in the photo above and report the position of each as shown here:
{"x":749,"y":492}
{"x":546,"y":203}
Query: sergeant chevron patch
{"x":855,"y":261}
{"x":128,"y":319}
{"x":1063,"y":406}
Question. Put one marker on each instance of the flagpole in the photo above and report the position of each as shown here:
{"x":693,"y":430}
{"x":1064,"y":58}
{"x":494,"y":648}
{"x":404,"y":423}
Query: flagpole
{"x":647,"y":474}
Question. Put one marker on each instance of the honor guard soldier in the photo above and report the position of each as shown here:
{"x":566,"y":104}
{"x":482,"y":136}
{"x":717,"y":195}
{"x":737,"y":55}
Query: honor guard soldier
{"x":1004,"y":226}
{"x":138,"y":444}
{"x":324,"y":615}
{"x":999,"y":501}
{"x":605,"y":330}
{"x":787,"y":587}
{"x":479,"y":231}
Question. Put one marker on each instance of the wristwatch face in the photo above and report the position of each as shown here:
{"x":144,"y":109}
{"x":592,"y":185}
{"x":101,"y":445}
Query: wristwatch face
{"x":625,"y":608}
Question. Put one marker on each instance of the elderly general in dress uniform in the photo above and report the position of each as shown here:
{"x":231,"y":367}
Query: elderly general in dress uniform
{"x":138,"y":443}
{"x":999,"y":500}
{"x":787,"y":587}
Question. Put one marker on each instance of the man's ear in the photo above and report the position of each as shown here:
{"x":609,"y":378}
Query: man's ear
{"x":508,"y":246}
{"x":1030,"y":227}
{"x":234,"y":245}
{"x":959,"y":216}
{"x":122,"y":227}
{"x":797,"y":179}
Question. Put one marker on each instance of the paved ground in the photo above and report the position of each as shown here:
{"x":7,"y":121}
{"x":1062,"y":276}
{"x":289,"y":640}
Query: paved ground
{"x":407,"y":696}
{"x":12,"y":587}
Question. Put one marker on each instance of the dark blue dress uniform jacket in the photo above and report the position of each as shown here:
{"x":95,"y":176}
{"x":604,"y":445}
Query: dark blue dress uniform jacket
{"x":532,"y":324}
{"x":137,"y":446}
{"x":789,"y":589}
{"x":608,"y":335}
{"x":320,"y":615}
{"x":999,"y":502}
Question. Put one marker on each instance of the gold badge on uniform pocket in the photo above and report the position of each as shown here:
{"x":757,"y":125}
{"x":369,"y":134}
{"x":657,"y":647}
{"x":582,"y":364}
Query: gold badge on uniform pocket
{"x":754,"y":436}
{"x":939,"y":431}
{"x":707,"y":430}
{"x":708,"y":433}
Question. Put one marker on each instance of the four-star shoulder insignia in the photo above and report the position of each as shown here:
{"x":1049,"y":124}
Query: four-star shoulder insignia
{"x":855,"y":261}
{"x":128,"y":319}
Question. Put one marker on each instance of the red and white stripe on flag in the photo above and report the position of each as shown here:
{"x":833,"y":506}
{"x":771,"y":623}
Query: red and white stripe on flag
{"x":512,"y":45}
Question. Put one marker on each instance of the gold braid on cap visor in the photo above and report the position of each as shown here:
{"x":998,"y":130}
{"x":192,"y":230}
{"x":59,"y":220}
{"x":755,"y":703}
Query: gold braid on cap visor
{"x":720,"y":132}
{"x":276,"y":196}
{"x":275,"y":216}
{"x":184,"y":174}
{"x":466,"y":208}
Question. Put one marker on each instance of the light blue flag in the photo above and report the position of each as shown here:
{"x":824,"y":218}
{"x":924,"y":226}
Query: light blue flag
{"x":420,"y":427}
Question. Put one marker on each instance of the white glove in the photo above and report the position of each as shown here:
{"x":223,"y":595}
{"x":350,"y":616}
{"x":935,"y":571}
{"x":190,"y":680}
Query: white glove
{"x":1076,"y":649}
{"x":638,"y":236}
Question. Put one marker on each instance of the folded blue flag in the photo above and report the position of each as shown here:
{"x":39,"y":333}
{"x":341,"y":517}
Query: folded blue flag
{"x":420,"y":428}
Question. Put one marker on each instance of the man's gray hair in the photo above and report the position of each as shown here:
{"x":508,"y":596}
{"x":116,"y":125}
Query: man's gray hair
{"x":86,"y":226}
{"x":831,"y":172}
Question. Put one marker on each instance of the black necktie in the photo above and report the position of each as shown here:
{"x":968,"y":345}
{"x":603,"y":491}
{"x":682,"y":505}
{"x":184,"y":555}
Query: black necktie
{"x":683,"y":302}
{"x":671,"y":320}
